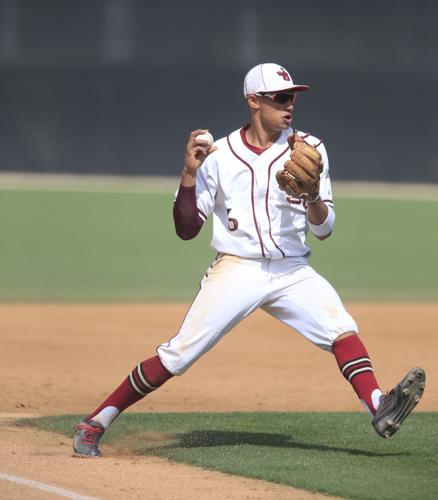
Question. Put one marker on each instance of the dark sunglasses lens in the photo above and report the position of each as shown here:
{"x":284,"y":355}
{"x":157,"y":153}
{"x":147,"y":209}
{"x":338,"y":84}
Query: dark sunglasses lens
{"x":283,"y":98}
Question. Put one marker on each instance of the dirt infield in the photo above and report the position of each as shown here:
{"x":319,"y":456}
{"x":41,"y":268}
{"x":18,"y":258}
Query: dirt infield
{"x":58,"y":359}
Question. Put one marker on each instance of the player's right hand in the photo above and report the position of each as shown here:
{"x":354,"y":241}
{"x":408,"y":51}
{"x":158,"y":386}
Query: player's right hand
{"x":196,"y":153}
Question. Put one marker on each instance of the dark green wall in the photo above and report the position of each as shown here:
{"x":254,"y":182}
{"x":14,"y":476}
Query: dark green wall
{"x":115,"y":86}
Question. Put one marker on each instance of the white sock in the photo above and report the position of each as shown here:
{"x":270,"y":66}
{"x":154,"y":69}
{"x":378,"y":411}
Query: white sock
{"x":375,"y":398}
{"x":106,"y":416}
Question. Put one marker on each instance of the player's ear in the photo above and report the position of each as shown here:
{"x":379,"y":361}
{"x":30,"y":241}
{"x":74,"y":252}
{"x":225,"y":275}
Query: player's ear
{"x":253,"y":102}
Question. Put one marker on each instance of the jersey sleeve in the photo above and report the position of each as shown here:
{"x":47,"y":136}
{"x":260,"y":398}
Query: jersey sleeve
{"x":206,"y":186}
{"x":325,"y":188}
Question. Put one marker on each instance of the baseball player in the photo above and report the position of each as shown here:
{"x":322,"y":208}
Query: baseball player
{"x":265,"y":185}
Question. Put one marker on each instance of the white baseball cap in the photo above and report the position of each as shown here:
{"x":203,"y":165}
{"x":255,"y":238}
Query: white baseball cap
{"x":269,"y":77}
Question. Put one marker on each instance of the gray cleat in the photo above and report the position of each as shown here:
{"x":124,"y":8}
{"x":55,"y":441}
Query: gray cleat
{"x":86,"y":438}
{"x":395,"y":406}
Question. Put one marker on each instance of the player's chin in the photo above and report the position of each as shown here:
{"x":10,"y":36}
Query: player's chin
{"x":284,"y":124}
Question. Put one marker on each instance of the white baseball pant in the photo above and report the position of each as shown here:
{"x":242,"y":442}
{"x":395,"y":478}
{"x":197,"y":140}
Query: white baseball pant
{"x":233,"y":287}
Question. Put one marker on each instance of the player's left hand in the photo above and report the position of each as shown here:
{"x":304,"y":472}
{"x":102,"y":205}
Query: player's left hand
{"x":301,"y":174}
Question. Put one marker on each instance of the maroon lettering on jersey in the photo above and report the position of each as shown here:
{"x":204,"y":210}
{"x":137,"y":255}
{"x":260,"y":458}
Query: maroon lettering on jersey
{"x":284,"y":74}
{"x":233,"y":224}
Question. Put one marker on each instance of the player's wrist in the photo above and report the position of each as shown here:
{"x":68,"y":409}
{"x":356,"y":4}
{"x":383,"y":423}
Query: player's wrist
{"x":322,"y":228}
{"x":188,"y":177}
{"x":313,"y":200}
{"x":189,"y":171}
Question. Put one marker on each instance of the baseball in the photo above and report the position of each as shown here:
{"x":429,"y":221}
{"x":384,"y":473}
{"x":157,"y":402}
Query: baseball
{"x":206,"y":138}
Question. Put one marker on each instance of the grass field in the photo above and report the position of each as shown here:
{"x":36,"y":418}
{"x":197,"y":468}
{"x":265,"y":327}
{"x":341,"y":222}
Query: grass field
{"x":61,"y":245}
{"x":110,"y":246}
{"x":334,"y":453}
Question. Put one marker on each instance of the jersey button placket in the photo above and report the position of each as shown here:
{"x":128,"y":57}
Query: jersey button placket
{"x":259,"y":208}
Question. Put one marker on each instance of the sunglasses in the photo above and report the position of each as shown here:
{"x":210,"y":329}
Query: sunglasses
{"x":279,"y":97}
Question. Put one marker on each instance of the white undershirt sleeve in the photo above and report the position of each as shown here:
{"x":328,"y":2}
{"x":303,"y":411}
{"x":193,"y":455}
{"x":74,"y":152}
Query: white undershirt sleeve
{"x":326,"y":227}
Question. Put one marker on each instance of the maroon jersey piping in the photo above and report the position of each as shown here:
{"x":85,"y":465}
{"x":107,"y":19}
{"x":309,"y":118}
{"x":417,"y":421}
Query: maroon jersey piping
{"x":252,"y":193}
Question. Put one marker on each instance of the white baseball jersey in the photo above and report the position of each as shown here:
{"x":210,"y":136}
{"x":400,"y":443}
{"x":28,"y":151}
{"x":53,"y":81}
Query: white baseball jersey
{"x":252,"y":217}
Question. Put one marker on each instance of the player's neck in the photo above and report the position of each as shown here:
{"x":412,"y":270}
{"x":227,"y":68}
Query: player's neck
{"x":260,"y":137}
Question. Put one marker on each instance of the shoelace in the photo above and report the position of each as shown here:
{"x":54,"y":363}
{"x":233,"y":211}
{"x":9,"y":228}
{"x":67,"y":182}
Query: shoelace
{"x":385,"y":402}
{"x":91,"y":435}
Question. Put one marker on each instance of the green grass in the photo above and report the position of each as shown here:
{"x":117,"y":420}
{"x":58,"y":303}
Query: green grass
{"x":382,"y":250}
{"x":78,"y":246}
{"x":333,"y":453}
{"x":73,"y":246}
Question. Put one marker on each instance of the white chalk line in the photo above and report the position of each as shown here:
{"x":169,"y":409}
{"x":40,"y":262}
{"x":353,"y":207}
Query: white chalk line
{"x":44,"y":487}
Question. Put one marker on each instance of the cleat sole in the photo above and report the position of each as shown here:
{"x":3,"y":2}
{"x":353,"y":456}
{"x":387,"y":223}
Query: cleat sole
{"x":398,"y":404}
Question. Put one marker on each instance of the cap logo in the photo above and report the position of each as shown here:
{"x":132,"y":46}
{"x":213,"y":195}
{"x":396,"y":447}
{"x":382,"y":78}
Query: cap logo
{"x":283,"y":73}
